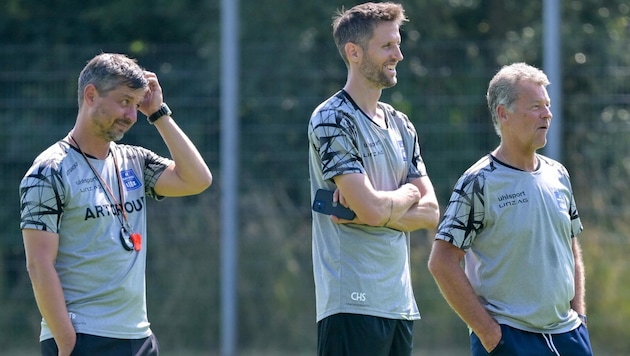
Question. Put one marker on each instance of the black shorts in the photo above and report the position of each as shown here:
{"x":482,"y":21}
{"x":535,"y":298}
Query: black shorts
{"x":354,"y":334}
{"x":519,"y":342}
{"x":89,"y":345}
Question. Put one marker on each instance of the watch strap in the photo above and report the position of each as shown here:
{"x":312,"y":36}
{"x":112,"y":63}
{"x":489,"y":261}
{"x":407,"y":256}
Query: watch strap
{"x":164,"y":111}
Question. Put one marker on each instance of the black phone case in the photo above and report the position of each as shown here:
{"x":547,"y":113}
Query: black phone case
{"x":323,"y":204}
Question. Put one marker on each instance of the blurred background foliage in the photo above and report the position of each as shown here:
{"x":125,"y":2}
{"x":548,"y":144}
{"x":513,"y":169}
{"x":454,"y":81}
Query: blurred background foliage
{"x":288,"y":65}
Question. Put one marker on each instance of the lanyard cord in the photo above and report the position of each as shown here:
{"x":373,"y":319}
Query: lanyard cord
{"x":106,"y":187}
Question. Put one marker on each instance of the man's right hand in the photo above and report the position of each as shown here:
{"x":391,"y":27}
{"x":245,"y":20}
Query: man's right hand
{"x":490,"y":339}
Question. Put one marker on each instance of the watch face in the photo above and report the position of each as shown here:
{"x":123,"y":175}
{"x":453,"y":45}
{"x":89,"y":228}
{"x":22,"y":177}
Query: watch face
{"x":164,"y":110}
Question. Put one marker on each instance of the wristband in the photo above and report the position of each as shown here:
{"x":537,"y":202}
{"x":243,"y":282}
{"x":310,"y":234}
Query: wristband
{"x":164,"y":111}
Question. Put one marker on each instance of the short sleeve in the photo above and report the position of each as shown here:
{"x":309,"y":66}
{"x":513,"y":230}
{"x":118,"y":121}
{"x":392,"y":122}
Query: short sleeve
{"x":465,"y":212}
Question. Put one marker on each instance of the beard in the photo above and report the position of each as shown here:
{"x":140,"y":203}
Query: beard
{"x":115,"y":136}
{"x":115,"y":133}
{"x":375,"y":74}
{"x":112,"y":130}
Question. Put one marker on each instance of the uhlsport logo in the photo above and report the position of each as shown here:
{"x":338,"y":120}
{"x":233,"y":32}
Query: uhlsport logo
{"x":512,"y":199}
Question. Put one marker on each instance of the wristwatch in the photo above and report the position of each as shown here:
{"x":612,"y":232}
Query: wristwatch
{"x":164,"y":111}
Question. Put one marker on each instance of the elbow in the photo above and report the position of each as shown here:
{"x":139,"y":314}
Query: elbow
{"x":433,"y":266}
{"x":35,"y":270}
{"x":431,"y":215}
{"x":204,"y":182}
{"x":434,"y":219}
{"x":436,"y":267}
{"x":444,"y":259}
{"x":437,"y":258}
{"x":207,"y":182}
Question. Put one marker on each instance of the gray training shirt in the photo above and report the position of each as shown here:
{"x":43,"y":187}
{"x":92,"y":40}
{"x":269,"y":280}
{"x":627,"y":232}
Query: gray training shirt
{"x":517,"y":229}
{"x":103,"y":283}
{"x":361,"y":269}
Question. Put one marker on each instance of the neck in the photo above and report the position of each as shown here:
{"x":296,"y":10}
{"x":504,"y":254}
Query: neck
{"x":91,"y":147}
{"x":525,"y":162}
{"x":364,"y":96}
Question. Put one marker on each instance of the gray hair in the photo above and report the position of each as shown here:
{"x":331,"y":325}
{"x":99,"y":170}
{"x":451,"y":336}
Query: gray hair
{"x":108,"y":71}
{"x":503,"y":88}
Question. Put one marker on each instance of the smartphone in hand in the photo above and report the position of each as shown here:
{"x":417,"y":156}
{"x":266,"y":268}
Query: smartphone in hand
{"x":323,"y":204}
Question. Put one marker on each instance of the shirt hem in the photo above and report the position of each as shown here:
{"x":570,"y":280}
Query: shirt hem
{"x":414,"y":316}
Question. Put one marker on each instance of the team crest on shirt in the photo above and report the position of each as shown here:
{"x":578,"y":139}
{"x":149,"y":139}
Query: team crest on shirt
{"x":561,"y":201}
{"x":130,"y":180}
{"x":401,"y":145}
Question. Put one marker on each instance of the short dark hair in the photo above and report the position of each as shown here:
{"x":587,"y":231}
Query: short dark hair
{"x":357,"y":24}
{"x":108,"y":71}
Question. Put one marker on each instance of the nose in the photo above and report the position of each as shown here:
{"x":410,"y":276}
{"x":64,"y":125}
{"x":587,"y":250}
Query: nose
{"x":132,"y":114}
{"x":398,"y":54}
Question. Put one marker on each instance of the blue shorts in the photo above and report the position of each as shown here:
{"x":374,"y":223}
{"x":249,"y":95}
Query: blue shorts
{"x":515,"y":342}
{"x":88,"y":345}
{"x":355,"y":334}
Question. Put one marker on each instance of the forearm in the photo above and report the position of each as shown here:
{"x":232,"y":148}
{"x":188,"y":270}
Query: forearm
{"x":190,"y":166}
{"x":445,"y":266}
{"x":460,"y":295}
{"x":374,"y":207}
{"x":578,"y":303}
{"x":400,"y":201}
{"x":51,"y":303}
{"x":423,"y":215}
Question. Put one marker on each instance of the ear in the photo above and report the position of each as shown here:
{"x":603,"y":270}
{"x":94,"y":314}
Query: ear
{"x":354,"y":52}
{"x":89,"y":94}
{"x":502,"y":112}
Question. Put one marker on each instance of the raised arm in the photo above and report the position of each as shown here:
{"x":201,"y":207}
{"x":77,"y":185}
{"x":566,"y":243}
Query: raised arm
{"x":189,"y":174}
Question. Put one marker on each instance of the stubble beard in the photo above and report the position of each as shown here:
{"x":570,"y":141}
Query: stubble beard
{"x":112,"y":133}
{"x":376,"y":74}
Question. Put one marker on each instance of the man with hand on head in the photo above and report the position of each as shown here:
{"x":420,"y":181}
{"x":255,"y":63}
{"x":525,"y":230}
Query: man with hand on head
{"x":368,"y":154}
{"x":83,"y":213}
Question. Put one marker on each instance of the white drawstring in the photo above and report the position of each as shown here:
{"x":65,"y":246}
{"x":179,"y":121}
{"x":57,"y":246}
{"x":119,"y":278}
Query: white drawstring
{"x":550,"y":344}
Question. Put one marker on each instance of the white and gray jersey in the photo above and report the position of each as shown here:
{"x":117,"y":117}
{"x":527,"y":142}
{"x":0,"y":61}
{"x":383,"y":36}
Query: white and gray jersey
{"x":357,"y":268}
{"x":103,"y":283}
{"x":517,"y":229}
